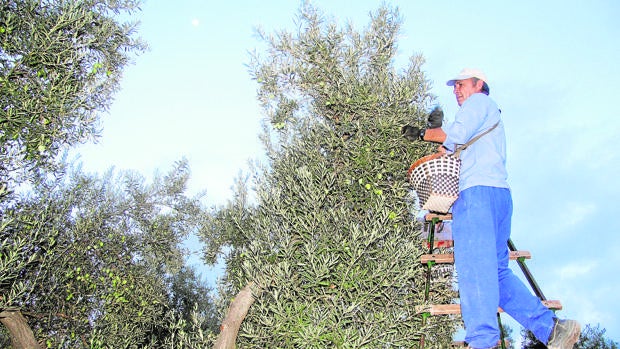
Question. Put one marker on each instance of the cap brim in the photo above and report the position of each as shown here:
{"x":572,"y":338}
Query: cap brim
{"x":462,"y":77}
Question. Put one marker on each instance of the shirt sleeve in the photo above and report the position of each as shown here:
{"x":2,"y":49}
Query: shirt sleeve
{"x":467,"y":121}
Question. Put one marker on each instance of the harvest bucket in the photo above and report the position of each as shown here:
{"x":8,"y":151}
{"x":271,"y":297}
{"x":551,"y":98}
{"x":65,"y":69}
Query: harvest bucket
{"x":435,"y":178}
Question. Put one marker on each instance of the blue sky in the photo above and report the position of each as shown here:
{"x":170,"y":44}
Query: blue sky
{"x":552,"y":67}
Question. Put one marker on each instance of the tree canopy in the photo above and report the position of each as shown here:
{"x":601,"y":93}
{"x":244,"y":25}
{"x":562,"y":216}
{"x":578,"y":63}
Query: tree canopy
{"x":327,"y":235}
{"x":60,"y":63}
{"x":85,"y":261}
{"x":96,"y":262}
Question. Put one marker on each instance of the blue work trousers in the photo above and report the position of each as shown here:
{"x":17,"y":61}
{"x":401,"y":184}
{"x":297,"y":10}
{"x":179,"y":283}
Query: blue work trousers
{"x":481,"y":229}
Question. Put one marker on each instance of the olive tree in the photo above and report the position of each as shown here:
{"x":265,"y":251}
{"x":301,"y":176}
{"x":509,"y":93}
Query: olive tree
{"x":324,"y":240}
{"x":84,"y":261}
{"x":60,"y":63}
{"x":97,"y":262}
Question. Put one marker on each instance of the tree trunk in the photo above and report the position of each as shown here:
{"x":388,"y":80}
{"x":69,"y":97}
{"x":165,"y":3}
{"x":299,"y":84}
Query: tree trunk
{"x":22,"y":336}
{"x":236,"y":313}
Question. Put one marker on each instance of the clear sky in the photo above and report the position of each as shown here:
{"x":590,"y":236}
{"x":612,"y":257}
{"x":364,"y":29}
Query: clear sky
{"x":552,"y":67}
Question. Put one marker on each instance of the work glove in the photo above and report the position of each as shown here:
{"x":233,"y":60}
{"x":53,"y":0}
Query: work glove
{"x":413,"y":133}
{"x":435,"y":118}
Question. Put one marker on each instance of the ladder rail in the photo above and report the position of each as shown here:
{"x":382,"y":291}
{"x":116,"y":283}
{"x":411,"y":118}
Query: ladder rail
{"x":527,"y":273}
{"x":429,"y":266}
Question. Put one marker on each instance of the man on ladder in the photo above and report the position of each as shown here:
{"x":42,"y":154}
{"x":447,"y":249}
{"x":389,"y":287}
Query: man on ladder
{"x":481,"y":224}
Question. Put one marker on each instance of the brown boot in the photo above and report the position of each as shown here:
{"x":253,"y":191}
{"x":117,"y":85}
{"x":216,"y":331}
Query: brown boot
{"x":564,"y":335}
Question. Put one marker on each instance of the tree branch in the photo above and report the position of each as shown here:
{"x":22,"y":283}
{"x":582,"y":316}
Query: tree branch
{"x":22,"y":336}
{"x":236,"y":313}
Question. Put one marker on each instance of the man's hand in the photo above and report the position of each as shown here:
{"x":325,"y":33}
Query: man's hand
{"x":435,"y":118}
{"x":413,"y":133}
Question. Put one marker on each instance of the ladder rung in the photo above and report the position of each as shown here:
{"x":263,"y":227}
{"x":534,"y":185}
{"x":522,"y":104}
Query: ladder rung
{"x":449,"y":257}
{"x":442,"y":216}
{"x":447,"y":309}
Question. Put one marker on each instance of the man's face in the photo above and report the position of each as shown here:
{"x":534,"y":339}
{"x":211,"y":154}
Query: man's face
{"x":465,"y":88}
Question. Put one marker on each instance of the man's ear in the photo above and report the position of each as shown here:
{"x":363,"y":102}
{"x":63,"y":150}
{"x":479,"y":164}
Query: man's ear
{"x":479,"y":85}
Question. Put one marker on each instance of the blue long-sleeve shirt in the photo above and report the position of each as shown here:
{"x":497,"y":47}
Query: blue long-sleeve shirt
{"x":484,"y":161}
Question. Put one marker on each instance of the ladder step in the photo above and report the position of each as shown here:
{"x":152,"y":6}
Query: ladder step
{"x":449,"y":309}
{"x":441,"y":216}
{"x":449,"y":257}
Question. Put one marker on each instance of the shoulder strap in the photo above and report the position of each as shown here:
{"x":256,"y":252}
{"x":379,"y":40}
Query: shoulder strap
{"x":458,"y":150}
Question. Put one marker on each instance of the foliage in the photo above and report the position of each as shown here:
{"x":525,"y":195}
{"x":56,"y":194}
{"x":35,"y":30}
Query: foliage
{"x":508,"y":332}
{"x":328,"y":233}
{"x":60,"y":62}
{"x":95,"y":262}
{"x":191,"y":298}
{"x":594,"y":338}
{"x":91,"y":262}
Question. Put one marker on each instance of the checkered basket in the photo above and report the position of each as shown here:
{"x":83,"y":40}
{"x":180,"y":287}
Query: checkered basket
{"x":435,"y":178}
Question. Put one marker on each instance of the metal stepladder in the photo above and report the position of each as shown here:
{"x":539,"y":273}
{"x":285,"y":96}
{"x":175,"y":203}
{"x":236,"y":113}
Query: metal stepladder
{"x":432,"y":258}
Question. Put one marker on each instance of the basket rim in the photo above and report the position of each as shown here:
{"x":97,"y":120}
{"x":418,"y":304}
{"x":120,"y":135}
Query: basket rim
{"x":424,"y":159}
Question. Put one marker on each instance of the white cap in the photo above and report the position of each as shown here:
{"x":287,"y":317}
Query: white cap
{"x":468,"y":73}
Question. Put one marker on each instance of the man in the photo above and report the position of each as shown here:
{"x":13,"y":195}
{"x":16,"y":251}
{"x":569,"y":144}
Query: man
{"x":481,"y":224}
